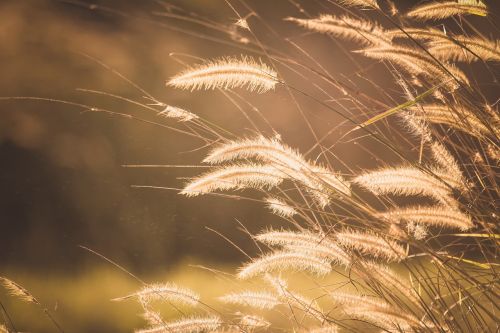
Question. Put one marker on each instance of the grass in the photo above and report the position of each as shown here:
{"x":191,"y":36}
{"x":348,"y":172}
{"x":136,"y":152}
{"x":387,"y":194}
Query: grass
{"x":332,"y":268}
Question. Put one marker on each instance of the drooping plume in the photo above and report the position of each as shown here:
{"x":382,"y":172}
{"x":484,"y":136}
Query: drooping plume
{"x":285,"y":260}
{"x":187,"y":325}
{"x":442,"y":10}
{"x":164,"y":292}
{"x":319,"y":181}
{"x":466,"y":49}
{"x":457,"y":117}
{"x":447,"y":163}
{"x":418,"y":34}
{"x":260,"y":300}
{"x":17,"y":290}
{"x":437,"y":216}
{"x":405,"y":181}
{"x":280,"y":208}
{"x":371,"y":245}
{"x":416,"y":62}
{"x":234,"y":177}
{"x":362,"y":31}
{"x":377,"y":312}
{"x":177,"y":113}
{"x":307,"y":243}
{"x":359,"y":3}
{"x":227,"y":73}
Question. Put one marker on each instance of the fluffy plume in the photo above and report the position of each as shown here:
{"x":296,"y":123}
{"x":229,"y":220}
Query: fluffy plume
{"x":293,"y":299}
{"x":177,"y":113}
{"x":433,"y":216}
{"x":371,"y":271}
{"x":153,"y":318}
{"x":417,"y":231}
{"x":418,"y":33}
{"x":234,"y":177}
{"x":261,"y":148}
{"x":318,"y":181}
{"x":260,"y":300}
{"x":466,"y":49}
{"x":327,"y":180}
{"x":454,"y":180}
{"x":363,"y":31}
{"x":417,"y":62}
{"x":359,"y":3}
{"x":17,"y":290}
{"x":331,"y":253}
{"x":252,"y":322}
{"x":242,"y":23}
{"x":279,"y":261}
{"x":227,"y":73}
{"x":442,"y":10}
{"x":306,"y":243}
{"x":372,"y":245}
{"x":377,"y":312}
{"x":284,"y":238}
{"x":457,"y":117}
{"x":280,"y":207}
{"x":164,"y":292}
{"x":415,"y":125}
{"x":327,"y":329}
{"x":405,"y":181}
{"x":447,"y":162}
{"x":189,"y":325}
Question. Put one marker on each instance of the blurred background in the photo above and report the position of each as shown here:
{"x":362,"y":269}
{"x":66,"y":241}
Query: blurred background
{"x":62,"y":180}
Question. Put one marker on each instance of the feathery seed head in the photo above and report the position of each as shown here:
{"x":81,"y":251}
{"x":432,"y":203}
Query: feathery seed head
{"x":242,"y":23}
{"x":466,"y":49}
{"x":404,"y":181}
{"x":18,"y":291}
{"x":360,"y":3}
{"x":227,"y":73}
{"x":417,"y":230}
{"x":152,"y":317}
{"x":371,"y":244}
{"x":187,"y":325}
{"x":363,"y":31}
{"x":372,"y":271}
{"x":293,"y":299}
{"x":416,"y":62}
{"x":455,"y":116}
{"x":177,"y":113}
{"x":376,"y":311}
{"x":437,"y":216}
{"x":164,"y":292}
{"x":307,"y":243}
{"x":280,"y":208}
{"x":327,"y":329}
{"x":252,"y":322}
{"x":442,"y":10}
{"x":319,"y":182}
{"x":448,"y":164}
{"x":260,"y":300}
{"x":261,"y":148}
{"x":234,"y":177}
{"x":426,"y":34}
{"x":280,"y":261}
{"x":416,"y":125}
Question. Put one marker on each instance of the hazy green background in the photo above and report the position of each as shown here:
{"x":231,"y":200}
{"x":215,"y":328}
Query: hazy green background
{"x":62,"y":183}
